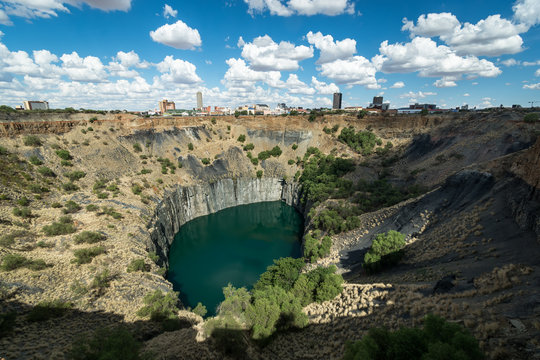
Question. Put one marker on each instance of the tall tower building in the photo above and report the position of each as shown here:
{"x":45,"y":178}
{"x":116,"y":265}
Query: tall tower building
{"x":337,"y":101}
{"x":199,"y":100}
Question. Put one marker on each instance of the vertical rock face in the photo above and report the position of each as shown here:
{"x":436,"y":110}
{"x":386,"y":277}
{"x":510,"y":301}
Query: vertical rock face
{"x":187,"y":203}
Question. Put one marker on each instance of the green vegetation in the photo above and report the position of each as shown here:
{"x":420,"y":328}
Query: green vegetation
{"x":8,"y":240}
{"x":89,"y":237}
{"x":70,"y":187}
{"x":259,"y":174}
{"x":190,"y":147}
{"x":45,"y":171}
{"x":64,"y":154}
{"x":363,"y":142}
{"x":241,"y":138}
{"x":159,"y":306}
{"x":249,"y":147}
{"x":138,"y":265}
{"x":92,"y":207}
{"x":23,"y":201}
{"x":106,"y":343}
{"x":136,"y":189}
{"x":34,"y":160}
{"x":111,"y":212}
{"x":385,"y":251}
{"x":531,"y":117}
{"x":46,"y":310}
{"x":205,"y":161}
{"x":290,"y":162}
{"x":331,"y":130}
{"x":66,"y":163}
{"x":438,"y":340}
{"x":275,"y":152}
{"x":23,"y":212}
{"x":145,"y":171}
{"x":316,"y":247}
{"x":63,"y":227}
{"x":294,"y":146}
{"x":71,"y":207}
{"x":85,"y":256}
{"x":200,"y":309}
{"x":75,"y":175}
{"x":15,"y":261}
{"x":165,"y":165}
{"x":101,"y":281}
{"x":137,"y":147}
{"x":32,"y":140}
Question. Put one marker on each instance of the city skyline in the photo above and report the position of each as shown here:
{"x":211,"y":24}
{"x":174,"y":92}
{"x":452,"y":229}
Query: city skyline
{"x":129,"y":55}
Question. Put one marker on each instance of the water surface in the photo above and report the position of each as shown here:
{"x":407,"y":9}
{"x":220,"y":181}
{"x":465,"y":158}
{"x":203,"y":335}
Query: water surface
{"x":234,"y":246}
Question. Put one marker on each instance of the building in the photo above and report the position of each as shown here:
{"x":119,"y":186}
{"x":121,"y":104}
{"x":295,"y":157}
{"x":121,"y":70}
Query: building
{"x":337,"y":101}
{"x":378,"y":104}
{"x":36,"y":105}
{"x":199,"y":100}
{"x":418,"y":106}
{"x":165,"y":105}
{"x":353,"y":109}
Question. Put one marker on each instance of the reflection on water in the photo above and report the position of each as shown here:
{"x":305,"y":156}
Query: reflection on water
{"x":234,"y":246}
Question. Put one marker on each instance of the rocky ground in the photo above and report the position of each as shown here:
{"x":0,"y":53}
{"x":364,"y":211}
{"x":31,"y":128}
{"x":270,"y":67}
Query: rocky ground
{"x":469,"y":231}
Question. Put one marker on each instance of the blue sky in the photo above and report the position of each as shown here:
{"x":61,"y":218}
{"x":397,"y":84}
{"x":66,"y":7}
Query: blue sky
{"x":129,"y":54}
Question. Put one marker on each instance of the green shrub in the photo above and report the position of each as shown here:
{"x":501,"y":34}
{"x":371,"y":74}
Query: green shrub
{"x":112,"y":213}
{"x":290,"y":162}
{"x":190,"y":146}
{"x":249,"y":147}
{"x":23,"y":212}
{"x":3,"y":151}
{"x":63,"y":227}
{"x":75,"y":175}
{"x":145,"y":171}
{"x":56,"y":205}
{"x":283,"y":273}
{"x":8,"y":240}
{"x":71,"y":207}
{"x":89,"y":237}
{"x":363,"y":142}
{"x":136,"y":189}
{"x":23,"y":201}
{"x":241,"y":138}
{"x":46,"y":310}
{"x":100,"y":184}
{"x":438,"y":340}
{"x":205,"y":161}
{"x":45,"y":171}
{"x":90,"y":129}
{"x":259,"y":173}
{"x":315,"y":248}
{"x":531,"y":117}
{"x":137,"y":147}
{"x":92,"y":207}
{"x":200,"y":309}
{"x":153,"y":256}
{"x":102,"y":195}
{"x":32,"y":140}
{"x":66,"y":163}
{"x":106,"y":343}
{"x":85,"y":256}
{"x":70,"y":187}
{"x":92,"y":119}
{"x":34,"y":160}
{"x":138,"y":265}
{"x":64,"y":154}
{"x":159,"y":306}
{"x":101,"y":281}
{"x":15,"y":261}
{"x":386,"y":250}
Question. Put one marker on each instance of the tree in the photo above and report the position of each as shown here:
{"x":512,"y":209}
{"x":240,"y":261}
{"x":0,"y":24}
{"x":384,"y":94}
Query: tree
{"x":385,"y":250}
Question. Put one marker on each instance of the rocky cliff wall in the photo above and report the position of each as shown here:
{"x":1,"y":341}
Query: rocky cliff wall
{"x":187,"y":203}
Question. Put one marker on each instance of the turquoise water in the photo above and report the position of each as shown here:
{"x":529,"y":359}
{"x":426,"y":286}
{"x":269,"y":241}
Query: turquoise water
{"x":234,"y":246}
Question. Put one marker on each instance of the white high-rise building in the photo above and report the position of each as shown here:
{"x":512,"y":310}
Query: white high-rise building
{"x":199,"y":100}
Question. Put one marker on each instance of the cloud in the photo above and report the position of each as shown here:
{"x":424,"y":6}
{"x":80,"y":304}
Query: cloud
{"x":537,"y":73}
{"x":331,"y":50}
{"x":398,"y":85}
{"x":87,"y":69}
{"x":301,"y":7}
{"x":419,"y":95}
{"x":4,"y":18}
{"x":264,"y":54}
{"x":356,"y":70}
{"x":531,"y":63}
{"x":177,"y":35}
{"x":532,"y":86}
{"x":124,"y":61}
{"x":424,"y":56}
{"x":444,"y":83}
{"x":492,"y":36}
{"x":466,"y":94}
{"x":178,"y":71}
{"x":168,"y":11}
{"x":295,"y":86}
{"x":527,"y":12}
{"x":324,"y":88}
{"x":510,"y":62}
{"x":239,"y":75}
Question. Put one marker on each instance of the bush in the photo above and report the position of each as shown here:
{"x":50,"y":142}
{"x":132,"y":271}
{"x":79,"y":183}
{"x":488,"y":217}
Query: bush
{"x":205,"y":161}
{"x":89,"y":237}
{"x":249,"y":147}
{"x":101,"y":281}
{"x":190,"y":146}
{"x":153,"y":256}
{"x":242,"y":138}
{"x":32,"y":140}
{"x":136,"y":189}
{"x":283,"y":273}
{"x":3,"y":151}
{"x":259,"y":173}
{"x":294,"y":146}
{"x":92,"y":207}
{"x":363,"y":142}
{"x":64,"y":154}
{"x":290,"y":162}
{"x":15,"y":261}
{"x":46,"y":310}
{"x":160,"y":306}
{"x":531,"y":117}
{"x":145,"y":171}
{"x":438,"y":340}
{"x":56,"y":205}
{"x":112,"y":213}
{"x":99,"y":184}
{"x":34,"y":160}
{"x":71,"y":207}
{"x":138,"y":265}
{"x":75,"y":175}
{"x":45,"y":171}
{"x":69,"y":187}
{"x":66,"y":163}
{"x":85,"y":256}
{"x":106,"y":343}
{"x":64,"y":227}
{"x":200,"y":309}
{"x":23,"y":212}
{"x":23,"y":201}
{"x":315,"y":248}
{"x":386,"y":250}
{"x":137,"y":147}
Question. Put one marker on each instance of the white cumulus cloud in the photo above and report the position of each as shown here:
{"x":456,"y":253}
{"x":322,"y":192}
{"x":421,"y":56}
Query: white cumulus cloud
{"x":331,"y":50}
{"x":398,"y":85}
{"x":178,"y":71}
{"x":527,"y":12}
{"x":444,"y":83}
{"x":177,"y":35}
{"x":532,"y":86}
{"x":430,"y":25}
{"x":301,"y":7}
{"x":87,"y":69}
{"x":324,"y":88}
{"x":356,"y":70}
{"x":168,"y":11}
{"x":264,"y":54}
